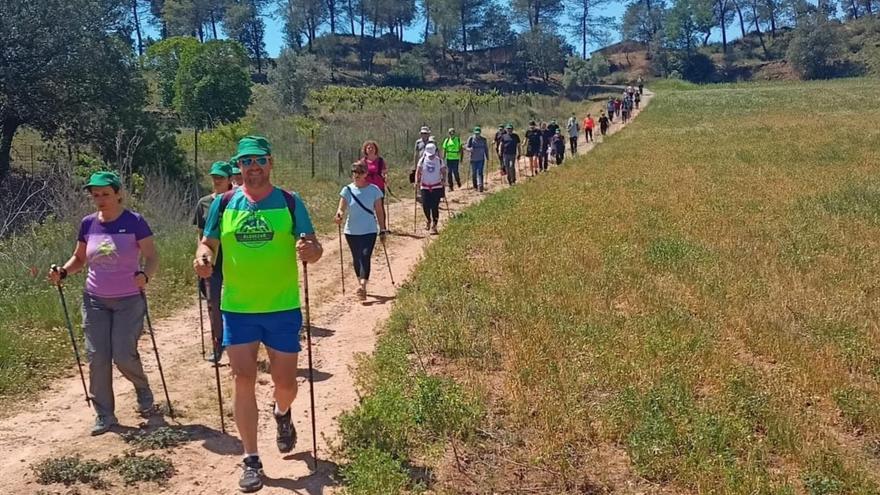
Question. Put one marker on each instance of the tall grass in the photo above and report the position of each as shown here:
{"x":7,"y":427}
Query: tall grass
{"x":691,"y":305}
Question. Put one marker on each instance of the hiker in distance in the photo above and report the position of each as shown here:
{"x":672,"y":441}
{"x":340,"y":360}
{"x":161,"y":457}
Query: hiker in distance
{"x":264,"y":232}
{"x":430,"y":177}
{"x":425,"y":137}
{"x":546,"y":136}
{"x":376,"y":169}
{"x":112,"y":243}
{"x":603,"y":123}
{"x":497,"y":146}
{"x":452,"y":154}
{"x":534,"y":144}
{"x":210,"y":288}
{"x":509,"y":149}
{"x":589,"y":125}
{"x":610,"y":107}
{"x":573,"y":133}
{"x":557,"y":146}
{"x":363,"y":202}
{"x":478,"y":148}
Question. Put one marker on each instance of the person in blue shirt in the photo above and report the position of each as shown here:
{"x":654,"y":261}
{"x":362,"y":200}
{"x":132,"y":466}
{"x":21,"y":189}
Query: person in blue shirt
{"x":366,"y":218}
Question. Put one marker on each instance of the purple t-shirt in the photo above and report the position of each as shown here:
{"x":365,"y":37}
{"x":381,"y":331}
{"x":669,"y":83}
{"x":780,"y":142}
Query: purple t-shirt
{"x":112,"y":253}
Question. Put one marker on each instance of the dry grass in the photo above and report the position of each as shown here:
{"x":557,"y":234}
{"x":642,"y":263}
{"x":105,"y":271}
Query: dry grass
{"x":698,"y":292}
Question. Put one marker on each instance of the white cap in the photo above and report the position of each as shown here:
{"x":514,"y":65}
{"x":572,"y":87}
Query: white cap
{"x":430,"y":149}
{"x":424,"y":130}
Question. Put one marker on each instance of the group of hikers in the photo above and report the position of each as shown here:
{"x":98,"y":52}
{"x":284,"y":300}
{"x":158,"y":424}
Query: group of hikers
{"x":248,"y":233}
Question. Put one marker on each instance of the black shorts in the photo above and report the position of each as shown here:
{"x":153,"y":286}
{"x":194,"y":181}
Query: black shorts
{"x":533,"y":151}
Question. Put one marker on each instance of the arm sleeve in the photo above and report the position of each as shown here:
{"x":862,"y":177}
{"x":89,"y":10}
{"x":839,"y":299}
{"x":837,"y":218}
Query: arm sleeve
{"x":212,"y":222}
{"x":199,"y":216}
{"x":302,"y":221}
{"x":343,"y":193}
{"x":142,"y":229}
{"x":83,"y":229}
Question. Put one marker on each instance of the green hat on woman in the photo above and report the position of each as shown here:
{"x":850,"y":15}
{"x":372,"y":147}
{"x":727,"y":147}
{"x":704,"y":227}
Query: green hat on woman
{"x":104,"y":179}
{"x":236,"y":171}
{"x":252,"y":146}
{"x":221,"y":169}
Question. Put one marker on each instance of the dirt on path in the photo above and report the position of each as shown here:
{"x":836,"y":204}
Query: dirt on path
{"x":58,"y":422}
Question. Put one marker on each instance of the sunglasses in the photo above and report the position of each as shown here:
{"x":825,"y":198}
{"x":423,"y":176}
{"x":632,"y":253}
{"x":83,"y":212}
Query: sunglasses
{"x":358,"y":172}
{"x":247,"y":162}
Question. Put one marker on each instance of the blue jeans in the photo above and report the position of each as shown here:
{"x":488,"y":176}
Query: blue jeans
{"x":477,"y":174}
{"x":361,"y":251}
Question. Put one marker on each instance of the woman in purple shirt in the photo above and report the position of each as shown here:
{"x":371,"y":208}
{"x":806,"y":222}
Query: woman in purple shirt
{"x":112,"y":242}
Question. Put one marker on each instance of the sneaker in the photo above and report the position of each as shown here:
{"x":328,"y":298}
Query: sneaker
{"x":285,"y":436}
{"x":252,"y":477}
{"x":103,"y":424}
{"x":361,"y":294}
{"x":427,"y":225}
{"x":434,"y":228}
{"x":145,"y":404}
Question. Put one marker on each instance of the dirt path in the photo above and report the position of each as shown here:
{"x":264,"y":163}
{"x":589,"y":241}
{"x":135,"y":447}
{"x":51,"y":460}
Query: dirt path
{"x":58,"y":423}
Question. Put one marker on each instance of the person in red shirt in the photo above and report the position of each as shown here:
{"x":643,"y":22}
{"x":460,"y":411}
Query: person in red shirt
{"x":589,"y":124}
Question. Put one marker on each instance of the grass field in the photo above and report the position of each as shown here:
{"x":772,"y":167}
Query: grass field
{"x":691,"y":307}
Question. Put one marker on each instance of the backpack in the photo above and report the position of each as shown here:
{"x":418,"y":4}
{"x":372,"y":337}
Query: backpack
{"x":288,"y":198}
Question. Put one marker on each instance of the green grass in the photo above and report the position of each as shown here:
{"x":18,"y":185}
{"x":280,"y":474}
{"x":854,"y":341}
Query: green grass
{"x":697,"y":294}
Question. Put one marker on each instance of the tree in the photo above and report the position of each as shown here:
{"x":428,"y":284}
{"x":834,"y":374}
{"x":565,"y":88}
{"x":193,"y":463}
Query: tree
{"x":494,"y":30}
{"x":815,"y":48}
{"x":541,"y":53}
{"x":295,"y":76}
{"x":586,"y":24}
{"x":62,"y":62}
{"x":164,"y":58}
{"x":303,"y":18}
{"x":244,"y":23}
{"x":537,"y":12}
{"x":642,"y":20}
{"x":213,"y":84}
{"x":580,"y":74}
{"x":681,"y":25}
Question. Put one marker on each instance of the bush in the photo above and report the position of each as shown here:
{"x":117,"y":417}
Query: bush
{"x":373,"y":471}
{"x":697,"y":68}
{"x":409,"y":71}
{"x":816,"y":49}
{"x":295,"y":76}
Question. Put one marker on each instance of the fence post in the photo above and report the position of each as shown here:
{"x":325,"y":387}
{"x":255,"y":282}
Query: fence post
{"x":33,"y":166}
{"x":339,"y":163}
{"x":312,"y":144}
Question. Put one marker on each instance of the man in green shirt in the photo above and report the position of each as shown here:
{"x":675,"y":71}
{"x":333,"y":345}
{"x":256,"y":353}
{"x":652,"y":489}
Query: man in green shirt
{"x":263,"y":231}
{"x":452,"y":154}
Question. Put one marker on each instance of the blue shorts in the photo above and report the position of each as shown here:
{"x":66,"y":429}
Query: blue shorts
{"x":278,"y":331}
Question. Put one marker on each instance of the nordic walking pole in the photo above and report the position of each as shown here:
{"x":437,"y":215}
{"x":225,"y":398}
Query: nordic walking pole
{"x":448,"y":211}
{"x":72,"y":339}
{"x":217,"y":346}
{"x":156,"y":351}
{"x":309,"y":346}
{"x":201,"y":317}
{"x":415,"y":207}
{"x":388,"y":261}
{"x":341,"y":269}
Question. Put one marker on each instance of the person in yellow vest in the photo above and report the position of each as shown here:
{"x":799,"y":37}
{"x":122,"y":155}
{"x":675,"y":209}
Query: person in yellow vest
{"x":452,"y":155}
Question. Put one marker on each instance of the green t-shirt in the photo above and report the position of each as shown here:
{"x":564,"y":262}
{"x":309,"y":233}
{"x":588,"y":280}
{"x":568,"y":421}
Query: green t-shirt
{"x":452,"y":148}
{"x":260,"y":270}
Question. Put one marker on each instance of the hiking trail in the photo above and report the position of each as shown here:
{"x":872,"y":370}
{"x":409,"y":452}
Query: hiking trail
{"x":58,"y":421}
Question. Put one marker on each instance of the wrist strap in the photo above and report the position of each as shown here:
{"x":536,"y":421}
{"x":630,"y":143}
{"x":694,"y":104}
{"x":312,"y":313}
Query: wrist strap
{"x":141,"y":272}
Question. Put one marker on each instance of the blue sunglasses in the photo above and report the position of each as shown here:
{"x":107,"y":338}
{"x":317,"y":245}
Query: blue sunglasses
{"x":248,"y":161}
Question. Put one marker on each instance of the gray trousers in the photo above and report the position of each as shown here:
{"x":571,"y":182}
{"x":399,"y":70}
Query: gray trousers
{"x":112,"y":327}
{"x":509,"y":164}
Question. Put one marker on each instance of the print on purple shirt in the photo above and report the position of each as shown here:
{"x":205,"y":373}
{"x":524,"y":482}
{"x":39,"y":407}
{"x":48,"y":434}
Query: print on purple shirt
{"x":112,"y":253}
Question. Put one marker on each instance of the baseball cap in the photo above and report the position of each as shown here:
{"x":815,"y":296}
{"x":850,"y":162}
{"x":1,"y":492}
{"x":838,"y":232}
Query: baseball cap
{"x":477,"y":130}
{"x":221,"y":169}
{"x":424,"y":130}
{"x":452,"y":130}
{"x":104,"y":179}
{"x":509,"y":126}
{"x":252,"y":146}
{"x":430,"y":149}
{"x":236,"y":171}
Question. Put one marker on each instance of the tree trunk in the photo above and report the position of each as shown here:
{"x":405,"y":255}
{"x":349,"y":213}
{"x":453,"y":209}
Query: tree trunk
{"x":213,"y":24}
{"x":855,"y":9}
{"x":363,"y":19}
{"x":584,"y":15}
{"x":137,"y":26}
{"x":427,"y":20}
{"x":722,"y":20}
{"x":201,"y":34}
{"x":331,"y":7}
{"x":771,"y":10}
{"x":742,"y":23}
{"x":257,"y":35}
{"x":7,"y":131}
{"x":758,"y":29}
{"x":350,"y":9}
{"x":463,"y":26}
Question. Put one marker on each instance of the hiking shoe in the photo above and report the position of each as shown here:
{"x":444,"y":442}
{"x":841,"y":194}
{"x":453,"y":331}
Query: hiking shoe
{"x":285,"y":436}
{"x":434,"y":228}
{"x":252,"y":476}
{"x":145,"y":404}
{"x":427,"y":225}
{"x":103,"y":424}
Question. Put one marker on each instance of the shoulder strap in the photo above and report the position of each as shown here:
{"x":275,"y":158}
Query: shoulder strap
{"x":291,"y":205}
{"x":356,"y":200}
{"x":224,"y":200}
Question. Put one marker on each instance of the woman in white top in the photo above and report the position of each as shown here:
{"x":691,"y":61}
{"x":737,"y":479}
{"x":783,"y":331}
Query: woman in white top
{"x":430,"y":177}
{"x":366,"y":217}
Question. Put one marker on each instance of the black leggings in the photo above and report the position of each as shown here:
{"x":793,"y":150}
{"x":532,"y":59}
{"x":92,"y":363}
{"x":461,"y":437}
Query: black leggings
{"x":361,"y":251}
{"x":431,"y":203}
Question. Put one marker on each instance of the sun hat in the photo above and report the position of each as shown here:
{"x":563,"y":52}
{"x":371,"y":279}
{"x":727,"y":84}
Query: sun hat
{"x":221,"y":169}
{"x":252,"y":146}
{"x":424,"y":130}
{"x":431,"y":149}
{"x":104,"y":179}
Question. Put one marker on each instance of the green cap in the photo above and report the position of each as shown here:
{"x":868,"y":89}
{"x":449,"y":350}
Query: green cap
{"x":509,"y":126}
{"x":501,"y":126}
{"x":252,"y":146}
{"x":236,"y":171}
{"x":104,"y":179}
{"x":221,"y":169}
{"x":477,"y":130}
